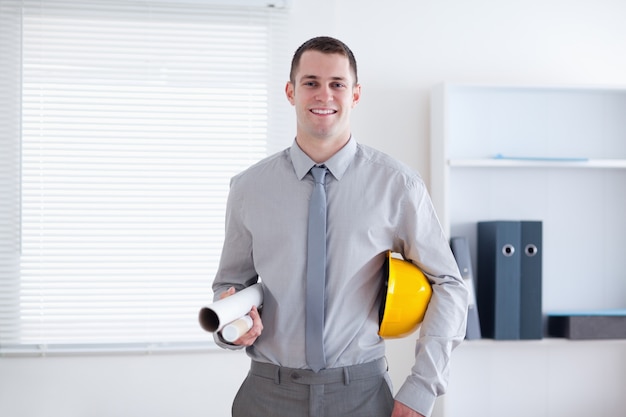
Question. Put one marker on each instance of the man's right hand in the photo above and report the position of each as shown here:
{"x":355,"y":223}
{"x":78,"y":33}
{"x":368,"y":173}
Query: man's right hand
{"x":257,"y":325}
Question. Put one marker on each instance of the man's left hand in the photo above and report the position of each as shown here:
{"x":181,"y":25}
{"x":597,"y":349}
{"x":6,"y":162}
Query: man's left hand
{"x":401,"y":410}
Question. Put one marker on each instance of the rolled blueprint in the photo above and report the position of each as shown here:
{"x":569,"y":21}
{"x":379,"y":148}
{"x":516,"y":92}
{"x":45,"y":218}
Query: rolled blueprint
{"x":222,"y":312}
{"x":234,"y":330}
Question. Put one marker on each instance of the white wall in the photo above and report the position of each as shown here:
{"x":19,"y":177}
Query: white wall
{"x":403,"y":48}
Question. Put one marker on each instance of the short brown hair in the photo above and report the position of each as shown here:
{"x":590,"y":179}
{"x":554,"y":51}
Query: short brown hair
{"x":327,"y":45}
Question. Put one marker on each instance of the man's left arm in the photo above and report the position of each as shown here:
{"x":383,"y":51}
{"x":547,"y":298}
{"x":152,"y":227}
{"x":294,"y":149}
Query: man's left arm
{"x":444,"y":324}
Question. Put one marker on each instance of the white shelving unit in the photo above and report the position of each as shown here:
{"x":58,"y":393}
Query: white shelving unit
{"x":555,"y":154}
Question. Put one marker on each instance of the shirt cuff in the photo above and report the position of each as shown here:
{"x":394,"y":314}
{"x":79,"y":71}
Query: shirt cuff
{"x":416,"y":398}
{"x":217,"y":336}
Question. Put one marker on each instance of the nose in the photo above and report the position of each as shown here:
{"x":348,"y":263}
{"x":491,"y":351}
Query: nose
{"x":324,"y":94}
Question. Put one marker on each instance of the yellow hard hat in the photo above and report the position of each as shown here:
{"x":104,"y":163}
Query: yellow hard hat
{"x":406,"y":296}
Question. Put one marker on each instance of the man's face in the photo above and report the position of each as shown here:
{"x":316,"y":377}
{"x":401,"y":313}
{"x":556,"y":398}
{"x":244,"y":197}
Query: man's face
{"x":323,"y":93}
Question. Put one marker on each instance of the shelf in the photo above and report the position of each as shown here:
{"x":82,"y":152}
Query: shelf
{"x":557,"y":155}
{"x":545,"y":342}
{"x":537,"y":163}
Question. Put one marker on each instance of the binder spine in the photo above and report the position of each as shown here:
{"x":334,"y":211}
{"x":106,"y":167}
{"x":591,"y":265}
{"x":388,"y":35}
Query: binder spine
{"x":531,"y":316}
{"x":460,"y":249}
{"x":498,"y":279}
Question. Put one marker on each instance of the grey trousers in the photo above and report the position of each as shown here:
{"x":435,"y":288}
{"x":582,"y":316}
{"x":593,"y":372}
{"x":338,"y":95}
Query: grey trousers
{"x":353,"y":391}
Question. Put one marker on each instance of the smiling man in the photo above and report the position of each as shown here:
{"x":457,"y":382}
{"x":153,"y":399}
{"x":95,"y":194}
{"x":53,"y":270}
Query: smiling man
{"x":372,"y":204}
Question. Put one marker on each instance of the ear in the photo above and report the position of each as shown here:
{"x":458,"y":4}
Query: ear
{"x":290,"y":92}
{"x":356,"y":94}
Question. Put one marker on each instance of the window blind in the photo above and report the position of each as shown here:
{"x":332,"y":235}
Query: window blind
{"x":122,"y":123}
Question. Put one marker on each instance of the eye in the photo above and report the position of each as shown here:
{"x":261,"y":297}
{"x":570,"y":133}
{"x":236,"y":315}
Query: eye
{"x":338,"y":85}
{"x":309,"y":84}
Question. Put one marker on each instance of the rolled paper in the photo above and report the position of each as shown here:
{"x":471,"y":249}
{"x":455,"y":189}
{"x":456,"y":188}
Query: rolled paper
{"x":222,"y":312}
{"x":236,"y":329}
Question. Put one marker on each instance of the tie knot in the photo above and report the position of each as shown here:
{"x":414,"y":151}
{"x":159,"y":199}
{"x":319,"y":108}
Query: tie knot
{"x":319,"y":172}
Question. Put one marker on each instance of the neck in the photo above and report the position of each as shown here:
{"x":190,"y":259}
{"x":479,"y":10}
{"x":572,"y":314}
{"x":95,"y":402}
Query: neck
{"x":321,"y":150}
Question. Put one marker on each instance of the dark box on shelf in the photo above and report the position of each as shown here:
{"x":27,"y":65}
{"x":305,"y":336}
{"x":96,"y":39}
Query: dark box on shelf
{"x":607,"y":324}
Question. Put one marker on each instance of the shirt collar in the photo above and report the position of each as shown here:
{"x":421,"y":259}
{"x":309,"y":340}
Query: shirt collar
{"x":337,"y":164}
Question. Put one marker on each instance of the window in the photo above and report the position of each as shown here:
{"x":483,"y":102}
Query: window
{"x":121,"y":123}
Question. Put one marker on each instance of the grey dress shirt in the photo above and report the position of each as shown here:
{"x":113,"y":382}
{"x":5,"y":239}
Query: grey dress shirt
{"x":375,"y":204}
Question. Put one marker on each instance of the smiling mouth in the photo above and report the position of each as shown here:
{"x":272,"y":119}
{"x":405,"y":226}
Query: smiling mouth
{"x":323,"y":111}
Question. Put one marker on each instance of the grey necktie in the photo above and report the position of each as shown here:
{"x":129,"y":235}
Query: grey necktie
{"x":316,"y":272}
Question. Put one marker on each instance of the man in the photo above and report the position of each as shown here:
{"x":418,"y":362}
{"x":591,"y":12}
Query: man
{"x":374,"y":204}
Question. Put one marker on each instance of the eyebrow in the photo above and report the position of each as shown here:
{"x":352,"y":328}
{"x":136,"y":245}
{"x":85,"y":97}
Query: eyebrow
{"x":315,"y":77}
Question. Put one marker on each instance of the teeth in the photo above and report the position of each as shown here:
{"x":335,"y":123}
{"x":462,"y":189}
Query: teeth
{"x":319,"y":111}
